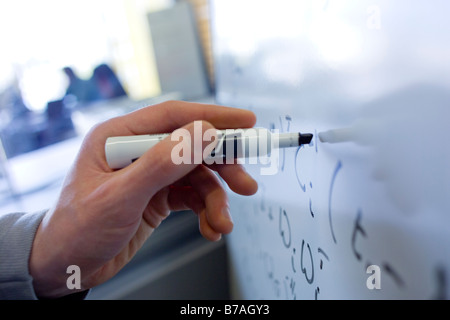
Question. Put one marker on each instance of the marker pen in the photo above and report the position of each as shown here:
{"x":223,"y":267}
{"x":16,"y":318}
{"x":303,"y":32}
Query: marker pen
{"x":232,"y":143}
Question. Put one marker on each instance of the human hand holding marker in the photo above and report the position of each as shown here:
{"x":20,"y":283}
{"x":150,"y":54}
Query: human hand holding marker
{"x":104,"y":216}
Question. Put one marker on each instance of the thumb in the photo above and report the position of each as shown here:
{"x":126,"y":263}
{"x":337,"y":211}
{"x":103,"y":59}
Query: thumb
{"x":171,"y":159}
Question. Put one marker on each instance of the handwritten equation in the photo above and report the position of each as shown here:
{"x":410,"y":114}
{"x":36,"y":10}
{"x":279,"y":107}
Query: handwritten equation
{"x":295,"y":263}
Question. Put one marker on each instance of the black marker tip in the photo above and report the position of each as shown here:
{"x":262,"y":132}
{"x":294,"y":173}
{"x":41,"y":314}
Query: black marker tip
{"x":304,"y":138}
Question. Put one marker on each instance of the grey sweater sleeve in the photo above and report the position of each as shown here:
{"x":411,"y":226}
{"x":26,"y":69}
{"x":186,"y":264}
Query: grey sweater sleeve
{"x":17,"y":232}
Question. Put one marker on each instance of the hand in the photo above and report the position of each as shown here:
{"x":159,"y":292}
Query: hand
{"x":102,"y":217}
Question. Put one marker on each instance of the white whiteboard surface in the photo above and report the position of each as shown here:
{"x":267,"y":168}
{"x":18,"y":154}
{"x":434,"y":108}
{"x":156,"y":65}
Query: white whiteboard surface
{"x":373,"y":78}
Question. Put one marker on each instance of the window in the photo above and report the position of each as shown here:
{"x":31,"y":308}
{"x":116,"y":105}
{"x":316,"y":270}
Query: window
{"x":40,"y":38}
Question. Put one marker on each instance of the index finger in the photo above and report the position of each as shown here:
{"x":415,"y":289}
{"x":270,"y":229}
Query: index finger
{"x":170,"y":115}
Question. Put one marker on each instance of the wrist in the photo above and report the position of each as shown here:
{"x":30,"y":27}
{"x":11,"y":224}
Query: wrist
{"x":47,"y":264}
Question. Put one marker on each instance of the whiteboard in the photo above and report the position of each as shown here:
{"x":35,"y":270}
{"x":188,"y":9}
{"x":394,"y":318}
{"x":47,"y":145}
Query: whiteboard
{"x":370,"y":80}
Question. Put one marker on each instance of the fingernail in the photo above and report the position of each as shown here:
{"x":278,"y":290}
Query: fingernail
{"x":226,"y":214}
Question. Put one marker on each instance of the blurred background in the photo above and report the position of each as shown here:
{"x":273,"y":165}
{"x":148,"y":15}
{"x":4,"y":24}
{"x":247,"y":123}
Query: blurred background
{"x":58,"y":56}
{"x":67,"y":65}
